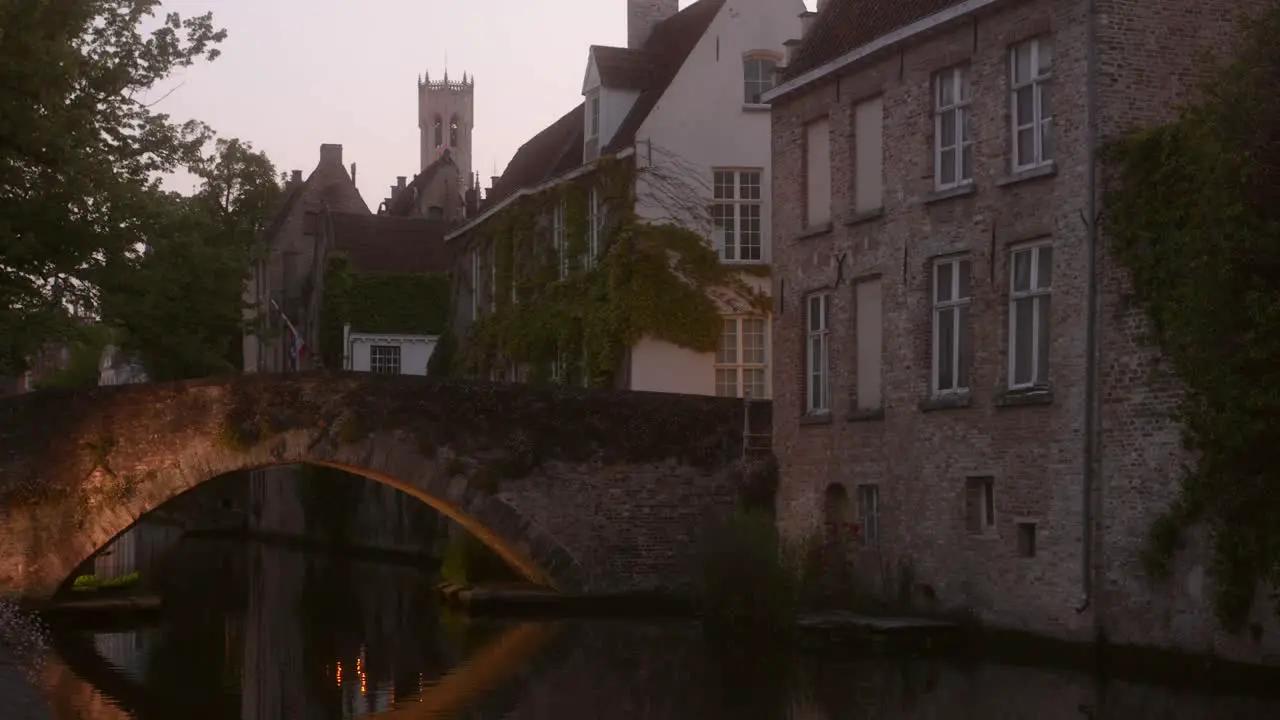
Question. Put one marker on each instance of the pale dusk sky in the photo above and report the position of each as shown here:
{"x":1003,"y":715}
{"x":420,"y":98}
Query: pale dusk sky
{"x":297,"y":73}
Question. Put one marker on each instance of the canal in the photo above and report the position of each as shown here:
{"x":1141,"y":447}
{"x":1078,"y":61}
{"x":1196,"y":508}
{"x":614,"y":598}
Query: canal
{"x":267,"y":631}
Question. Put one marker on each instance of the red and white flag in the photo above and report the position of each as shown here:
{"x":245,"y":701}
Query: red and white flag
{"x":296,"y":347}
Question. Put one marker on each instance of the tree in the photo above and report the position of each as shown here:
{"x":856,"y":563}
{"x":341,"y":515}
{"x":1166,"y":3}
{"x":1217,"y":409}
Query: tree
{"x":81,"y":152}
{"x":179,"y":304}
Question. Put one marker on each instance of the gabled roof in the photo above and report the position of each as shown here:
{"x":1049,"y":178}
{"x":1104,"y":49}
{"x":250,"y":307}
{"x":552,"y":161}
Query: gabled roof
{"x":622,"y":68}
{"x":650,"y":69}
{"x":403,"y":204}
{"x":385,"y":245}
{"x":844,"y":25}
{"x":329,"y":194}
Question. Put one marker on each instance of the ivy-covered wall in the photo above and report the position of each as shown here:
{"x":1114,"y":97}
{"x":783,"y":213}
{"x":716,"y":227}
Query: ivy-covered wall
{"x":646,"y":280}
{"x":414,"y":304}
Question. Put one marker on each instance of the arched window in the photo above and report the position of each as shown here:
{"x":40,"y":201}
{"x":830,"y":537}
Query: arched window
{"x":453,"y":131}
{"x":757,"y":76}
{"x":439,"y":131}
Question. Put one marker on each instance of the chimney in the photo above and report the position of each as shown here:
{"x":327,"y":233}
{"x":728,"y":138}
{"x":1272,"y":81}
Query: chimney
{"x":806,"y":22}
{"x":400,"y":181}
{"x":330,"y":153}
{"x":353,"y":173}
{"x":472,"y":202}
{"x":643,"y":15}
{"x":297,"y":177}
{"x":791,"y":47}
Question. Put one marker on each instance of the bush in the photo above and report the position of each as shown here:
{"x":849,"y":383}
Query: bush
{"x":747,"y":578}
{"x":468,"y":561}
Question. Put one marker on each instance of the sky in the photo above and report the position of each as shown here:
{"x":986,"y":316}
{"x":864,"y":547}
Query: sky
{"x":298,"y":73}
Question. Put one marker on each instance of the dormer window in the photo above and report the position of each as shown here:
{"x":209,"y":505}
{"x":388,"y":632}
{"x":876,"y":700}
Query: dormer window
{"x":593,"y":118}
{"x":757,"y":74}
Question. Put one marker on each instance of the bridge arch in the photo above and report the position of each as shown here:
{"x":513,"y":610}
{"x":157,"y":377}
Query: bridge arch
{"x":577,"y":490}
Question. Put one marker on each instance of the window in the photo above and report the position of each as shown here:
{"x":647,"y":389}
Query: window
{"x":593,"y":122}
{"x":869,"y":336}
{"x":476,"y":276}
{"x":868,"y":156}
{"x":980,"y":504}
{"x":742,"y":360}
{"x":951,"y":325}
{"x":384,"y":359}
{"x":817,"y":161}
{"x":952,"y":137}
{"x":595,"y":225}
{"x":1031,"y":279}
{"x":735,"y":215}
{"x":1026,"y":539}
{"x":758,"y":73}
{"x":817,"y":354}
{"x":1029,"y":66}
{"x":453,"y":131}
{"x":560,"y":239}
{"x":439,"y":131}
{"x":869,"y":515}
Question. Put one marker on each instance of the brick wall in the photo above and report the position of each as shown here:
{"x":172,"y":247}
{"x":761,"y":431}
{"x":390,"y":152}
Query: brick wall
{"x":920,"y":452}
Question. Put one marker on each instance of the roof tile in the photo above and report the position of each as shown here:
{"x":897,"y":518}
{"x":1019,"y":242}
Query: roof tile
{"x":385,"y":245}
{"x":844,"y":25}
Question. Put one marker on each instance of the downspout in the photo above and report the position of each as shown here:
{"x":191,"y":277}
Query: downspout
{"x":1091,"y":420}
{"x":346,"y":346}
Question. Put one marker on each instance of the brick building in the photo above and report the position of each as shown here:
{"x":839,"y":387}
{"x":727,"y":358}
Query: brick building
{"x":939,"y":283}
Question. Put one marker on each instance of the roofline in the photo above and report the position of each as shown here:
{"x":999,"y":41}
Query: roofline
{"x":534,"y":190}
{"x":903,"y":33}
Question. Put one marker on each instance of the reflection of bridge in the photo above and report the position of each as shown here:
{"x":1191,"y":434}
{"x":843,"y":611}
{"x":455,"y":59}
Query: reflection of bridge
{"x":580,"y":490}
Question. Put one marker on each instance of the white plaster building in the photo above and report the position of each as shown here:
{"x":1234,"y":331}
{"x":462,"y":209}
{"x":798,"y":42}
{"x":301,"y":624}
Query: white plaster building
{"x":682,"y":102}
{"x":390,"y":353}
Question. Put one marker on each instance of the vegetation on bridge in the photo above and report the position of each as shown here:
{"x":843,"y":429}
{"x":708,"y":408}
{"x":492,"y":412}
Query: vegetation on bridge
{"x":1194,"y":218}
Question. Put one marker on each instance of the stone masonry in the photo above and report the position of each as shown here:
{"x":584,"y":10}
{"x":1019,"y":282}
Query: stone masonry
{"x":924,"y":453}
{"x":580,"y":490}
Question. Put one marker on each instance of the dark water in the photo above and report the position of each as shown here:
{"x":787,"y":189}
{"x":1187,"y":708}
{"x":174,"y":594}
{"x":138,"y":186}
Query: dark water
{"x":266,"y":632}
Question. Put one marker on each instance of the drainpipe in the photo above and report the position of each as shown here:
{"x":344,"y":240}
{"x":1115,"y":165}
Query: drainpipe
{"x":346,"y":346}
{"x":1091,"y":413}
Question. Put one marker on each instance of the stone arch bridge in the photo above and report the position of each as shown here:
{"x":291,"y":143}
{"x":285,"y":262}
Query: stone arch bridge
{"x":580,"y":490}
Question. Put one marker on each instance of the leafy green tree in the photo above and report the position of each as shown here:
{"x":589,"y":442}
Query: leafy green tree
{"x":180,"y":302}
{"x":81,"y":150}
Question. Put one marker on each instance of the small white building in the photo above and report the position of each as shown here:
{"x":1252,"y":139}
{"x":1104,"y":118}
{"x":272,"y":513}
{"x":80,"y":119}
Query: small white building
{"x":115,"y":368}
{"x":387,"y":353}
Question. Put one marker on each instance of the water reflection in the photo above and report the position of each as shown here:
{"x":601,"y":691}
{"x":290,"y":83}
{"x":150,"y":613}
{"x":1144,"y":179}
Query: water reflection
{"x":255,"y":631}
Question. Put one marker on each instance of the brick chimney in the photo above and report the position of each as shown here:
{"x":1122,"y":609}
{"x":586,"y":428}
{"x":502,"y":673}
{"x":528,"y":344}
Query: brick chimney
{"x":643,"y":15}
{"x":296,"y":179}
{"x":330,"y":153}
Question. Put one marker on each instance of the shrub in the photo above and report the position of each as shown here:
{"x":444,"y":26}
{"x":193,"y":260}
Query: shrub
{"x":747,"y":578}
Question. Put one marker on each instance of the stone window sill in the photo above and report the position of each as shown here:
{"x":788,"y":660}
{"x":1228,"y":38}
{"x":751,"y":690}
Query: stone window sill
{"x":823,"y":418}
{"x":957,"y":191}
{"x":950,"y":401}
{"x":756,"y":107}
{"x":814,"y":231}
{"x":866,"y":415}
{"x":1048,"y":169}
{"x":1029,"y":396}
{"x":857,"y":218}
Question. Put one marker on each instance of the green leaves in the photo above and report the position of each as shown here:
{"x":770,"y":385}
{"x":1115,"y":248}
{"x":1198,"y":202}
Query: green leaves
{"x":1193,"y":218}
{"x":80,"y":149}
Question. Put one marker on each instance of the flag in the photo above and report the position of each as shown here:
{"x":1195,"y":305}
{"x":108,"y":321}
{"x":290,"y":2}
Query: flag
{"x":295,"y":346}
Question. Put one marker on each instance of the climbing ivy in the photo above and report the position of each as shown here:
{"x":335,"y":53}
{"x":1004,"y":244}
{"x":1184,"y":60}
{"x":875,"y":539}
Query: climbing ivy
{"x":416,"y":304}
{"x":649,"y":279}
{"x":1193,"y":216}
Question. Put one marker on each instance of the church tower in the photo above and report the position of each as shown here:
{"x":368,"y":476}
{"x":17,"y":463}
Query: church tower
{"x":445,"y":120}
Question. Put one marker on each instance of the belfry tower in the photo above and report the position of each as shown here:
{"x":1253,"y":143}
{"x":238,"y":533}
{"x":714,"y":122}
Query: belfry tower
{"x":445,"y":119}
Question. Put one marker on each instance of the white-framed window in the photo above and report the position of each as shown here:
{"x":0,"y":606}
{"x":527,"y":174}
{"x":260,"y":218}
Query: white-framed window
{"x":595,"y":225}
{"x":559,"y":236}
{"x":1030,"y":286}
{"x":384,"y":359}
{"x":593,"y":121}
{"x":742,"y":360}
{"x":818,"y":353}
{"x":951,"y":299}
{"x":1030,"y":63}
{"x":757,"y":74}
{"x":869,"y":515}
{"x":953,"y":138}
{"x":735,"y":214}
